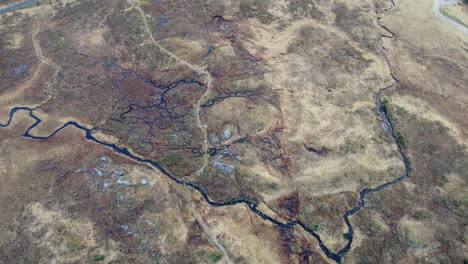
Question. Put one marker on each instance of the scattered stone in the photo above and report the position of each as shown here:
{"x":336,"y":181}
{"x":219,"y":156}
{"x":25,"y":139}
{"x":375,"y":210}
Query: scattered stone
{"x":105,"y":186}
{"x":226,"y":168}
{"x":148,"y":222}
{"x":122,"y":181}
{"x":227,"y":134}
{"x":98,"y":172}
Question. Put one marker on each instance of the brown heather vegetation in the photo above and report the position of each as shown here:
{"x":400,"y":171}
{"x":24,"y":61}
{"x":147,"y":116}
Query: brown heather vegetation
{"x":271,"y":102}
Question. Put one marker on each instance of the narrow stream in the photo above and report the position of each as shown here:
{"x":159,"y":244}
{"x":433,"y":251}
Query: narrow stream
{"x":252,"y":206}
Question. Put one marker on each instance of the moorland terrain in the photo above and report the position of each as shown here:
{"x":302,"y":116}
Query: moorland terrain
{"x":233,"y":132}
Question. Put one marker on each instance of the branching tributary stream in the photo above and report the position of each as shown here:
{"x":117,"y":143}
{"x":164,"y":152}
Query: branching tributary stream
{"x":387,"y":125}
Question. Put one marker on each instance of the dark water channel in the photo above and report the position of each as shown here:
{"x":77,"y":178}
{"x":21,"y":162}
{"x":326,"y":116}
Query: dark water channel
{"x":387,"y":125}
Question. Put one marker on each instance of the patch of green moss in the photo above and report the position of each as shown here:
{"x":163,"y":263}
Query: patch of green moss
{"x":385,"y":106}
{"x":377,"y":227}
{"x":353,"y":145}
{"x":419,"y":216}
{"x":173,"y":159}
{"x":98,"y":258}
{"x":215,"y":257}
{"x":314,"y":226}
{"x":76,"y":245}
{"x":273,"y":186}
{"x":61,"y":229}
{"x":401,"y":140}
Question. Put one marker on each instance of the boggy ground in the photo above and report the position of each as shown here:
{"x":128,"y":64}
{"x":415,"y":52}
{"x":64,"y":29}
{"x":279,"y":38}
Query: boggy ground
{"x":289,"y":122}
{"x":270,"y":101}
{"x":70,"y":200}
{"x":422,"y":220}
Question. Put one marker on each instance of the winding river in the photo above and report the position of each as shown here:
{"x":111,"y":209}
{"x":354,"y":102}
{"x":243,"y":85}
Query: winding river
{"x":251,"y":205}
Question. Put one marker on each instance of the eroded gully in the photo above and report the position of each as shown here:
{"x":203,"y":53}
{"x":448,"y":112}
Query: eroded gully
{"x":387,"y":125}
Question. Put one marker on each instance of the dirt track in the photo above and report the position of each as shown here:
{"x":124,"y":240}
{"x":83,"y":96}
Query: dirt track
{"x":438,"y":4}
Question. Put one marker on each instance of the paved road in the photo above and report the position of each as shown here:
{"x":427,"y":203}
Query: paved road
{"x":7,"y":9}
{"x":438,"y":4}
